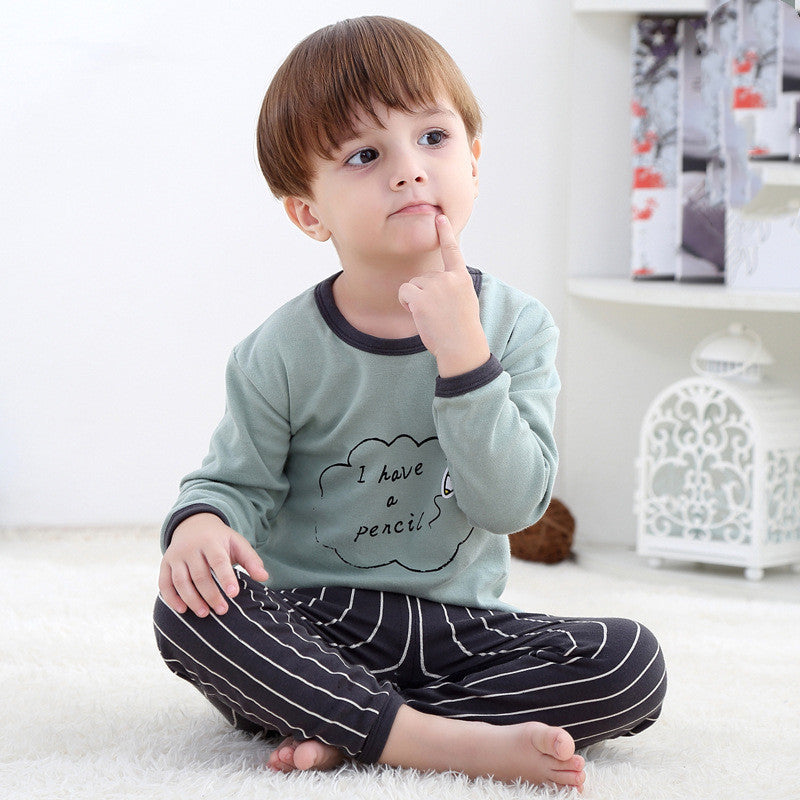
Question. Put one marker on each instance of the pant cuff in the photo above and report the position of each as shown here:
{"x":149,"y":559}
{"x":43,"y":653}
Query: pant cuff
{"x":376,"y":738}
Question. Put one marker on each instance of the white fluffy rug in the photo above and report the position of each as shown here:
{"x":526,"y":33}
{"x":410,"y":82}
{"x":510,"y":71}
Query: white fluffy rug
{"x":88,"y":710}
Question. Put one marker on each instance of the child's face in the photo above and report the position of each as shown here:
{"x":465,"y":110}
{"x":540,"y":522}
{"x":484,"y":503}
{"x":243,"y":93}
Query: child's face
{"x":378,"y":196}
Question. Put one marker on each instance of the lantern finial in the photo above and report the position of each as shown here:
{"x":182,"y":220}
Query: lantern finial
{"x":736,"y":352}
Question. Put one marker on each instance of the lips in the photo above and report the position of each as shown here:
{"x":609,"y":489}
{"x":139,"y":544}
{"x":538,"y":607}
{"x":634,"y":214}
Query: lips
{"x":417,"y":207}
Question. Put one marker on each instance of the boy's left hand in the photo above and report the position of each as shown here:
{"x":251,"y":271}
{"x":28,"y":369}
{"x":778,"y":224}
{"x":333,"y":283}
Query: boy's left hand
{"x":445,"y":309}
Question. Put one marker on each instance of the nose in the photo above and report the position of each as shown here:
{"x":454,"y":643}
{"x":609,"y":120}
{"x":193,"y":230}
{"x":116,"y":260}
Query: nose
{"x":399,"y":183}
{"x":407,"y":170}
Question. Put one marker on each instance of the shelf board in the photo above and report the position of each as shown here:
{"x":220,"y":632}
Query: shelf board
{"x":778,"y":173}
{"x":643,"y":6}
{"x":684,"y":295}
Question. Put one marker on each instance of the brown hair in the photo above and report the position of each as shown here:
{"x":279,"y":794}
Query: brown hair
{"x":339,"y":72}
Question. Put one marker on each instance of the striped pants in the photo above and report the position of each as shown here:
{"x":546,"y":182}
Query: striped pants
{"x":335,"y":664}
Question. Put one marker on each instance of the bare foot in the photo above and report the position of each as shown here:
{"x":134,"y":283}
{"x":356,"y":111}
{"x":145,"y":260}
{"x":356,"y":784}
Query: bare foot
{"x":292,"y":754}
{"x":530,"y":751}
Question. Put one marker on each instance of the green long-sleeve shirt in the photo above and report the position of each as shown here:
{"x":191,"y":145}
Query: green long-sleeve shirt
{"x":345,"y":460}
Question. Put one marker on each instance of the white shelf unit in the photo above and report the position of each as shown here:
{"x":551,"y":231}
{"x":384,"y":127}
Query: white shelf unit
{"x":625,"y":340}
{"x":643,"y":6}
{"x":669,"y":294}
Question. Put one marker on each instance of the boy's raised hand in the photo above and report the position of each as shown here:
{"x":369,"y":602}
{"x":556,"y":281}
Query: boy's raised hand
{"x":200,"y":544}
{"x":445,"y":309}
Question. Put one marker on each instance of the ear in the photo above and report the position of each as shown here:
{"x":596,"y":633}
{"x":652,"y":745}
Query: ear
{"x":476,"y":154}
{"x":301,"y":213}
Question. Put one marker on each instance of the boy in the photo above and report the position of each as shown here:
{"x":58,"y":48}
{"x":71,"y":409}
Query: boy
{"x":383,"y":431}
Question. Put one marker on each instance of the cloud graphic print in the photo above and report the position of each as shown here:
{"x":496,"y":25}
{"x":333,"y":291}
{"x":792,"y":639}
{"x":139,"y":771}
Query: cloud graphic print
{"x":390,"y":504}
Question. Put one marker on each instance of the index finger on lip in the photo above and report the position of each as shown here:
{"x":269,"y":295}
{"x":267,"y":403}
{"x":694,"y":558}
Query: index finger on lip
{"x":451,"y":252}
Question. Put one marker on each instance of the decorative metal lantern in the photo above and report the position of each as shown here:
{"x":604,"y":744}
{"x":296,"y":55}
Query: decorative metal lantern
{"x":719,"y":463}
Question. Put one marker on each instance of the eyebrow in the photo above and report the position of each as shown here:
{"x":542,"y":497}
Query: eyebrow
{"x":433,"y":111}
{"x":423,"y":112}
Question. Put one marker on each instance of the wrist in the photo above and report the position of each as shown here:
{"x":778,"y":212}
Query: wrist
{"x":461,"y":360}
{"x":469,"y":381}
{"x":196,"y":523}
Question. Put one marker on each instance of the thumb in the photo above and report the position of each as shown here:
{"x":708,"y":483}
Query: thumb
{"x":243,"y":554}
{"x":407,"y":294}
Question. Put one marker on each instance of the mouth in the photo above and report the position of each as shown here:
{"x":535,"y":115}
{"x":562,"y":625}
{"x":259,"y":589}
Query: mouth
{"x":417,"y":208}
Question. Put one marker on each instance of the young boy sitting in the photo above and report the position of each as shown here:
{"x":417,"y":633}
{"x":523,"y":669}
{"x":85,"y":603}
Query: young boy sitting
{"x":383,"y":432}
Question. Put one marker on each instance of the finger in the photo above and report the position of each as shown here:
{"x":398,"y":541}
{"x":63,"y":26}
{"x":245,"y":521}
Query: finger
{"x":184,"y":585}
{"x":206,"y":586}
{"x":448,"y":244}
{"x":407,"y":294}
{"x":243,"y":553}
{"x":168,"y":593}
{"x":223,"y":571}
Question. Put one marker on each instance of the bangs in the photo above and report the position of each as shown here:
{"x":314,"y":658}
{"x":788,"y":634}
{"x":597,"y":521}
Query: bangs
{"x":399,"y":69}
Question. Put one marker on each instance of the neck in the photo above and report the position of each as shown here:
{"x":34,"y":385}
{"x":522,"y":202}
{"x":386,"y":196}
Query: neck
{"x":367,"y":296}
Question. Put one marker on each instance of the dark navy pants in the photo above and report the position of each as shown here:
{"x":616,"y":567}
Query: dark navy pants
{"x":335,"y":664}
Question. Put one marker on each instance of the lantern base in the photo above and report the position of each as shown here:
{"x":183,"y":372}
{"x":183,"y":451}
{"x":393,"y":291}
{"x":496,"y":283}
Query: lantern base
{"x":658,"y":555}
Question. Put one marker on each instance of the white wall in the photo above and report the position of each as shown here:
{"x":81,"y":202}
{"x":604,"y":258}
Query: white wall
{"x":138,"y":241}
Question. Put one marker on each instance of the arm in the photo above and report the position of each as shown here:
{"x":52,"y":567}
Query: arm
{"x":241,"y":479}
{"x":498,"y":438}
{"x":224,"y":507}
{"x":494,"y":416}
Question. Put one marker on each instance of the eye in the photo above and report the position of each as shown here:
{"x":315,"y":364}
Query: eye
{"x":433,"y":138}
{"x":363,"y":156}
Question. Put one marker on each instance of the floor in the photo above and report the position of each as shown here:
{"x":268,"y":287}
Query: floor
{"x":779,"y":583}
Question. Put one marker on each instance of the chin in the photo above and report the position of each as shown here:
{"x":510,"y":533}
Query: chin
{"x":421,"y":242}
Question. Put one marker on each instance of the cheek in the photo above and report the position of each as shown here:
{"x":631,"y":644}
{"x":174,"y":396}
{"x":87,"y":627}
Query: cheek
{"x":468,"y":180}
{"x":466,"y":190}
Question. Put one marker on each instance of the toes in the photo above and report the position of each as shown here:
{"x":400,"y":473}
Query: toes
{"x":292,"y":754}
{"x":569,"y":778}
{"x":316,"y":755}
{"x":276,"y":765}
{"x":563,"y":746}
{"x":306,"y":758}
{"x":574,"y":764}
{"x":580,"y":779}
{"x":281,"y":759}
{"x":552,"y":741}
